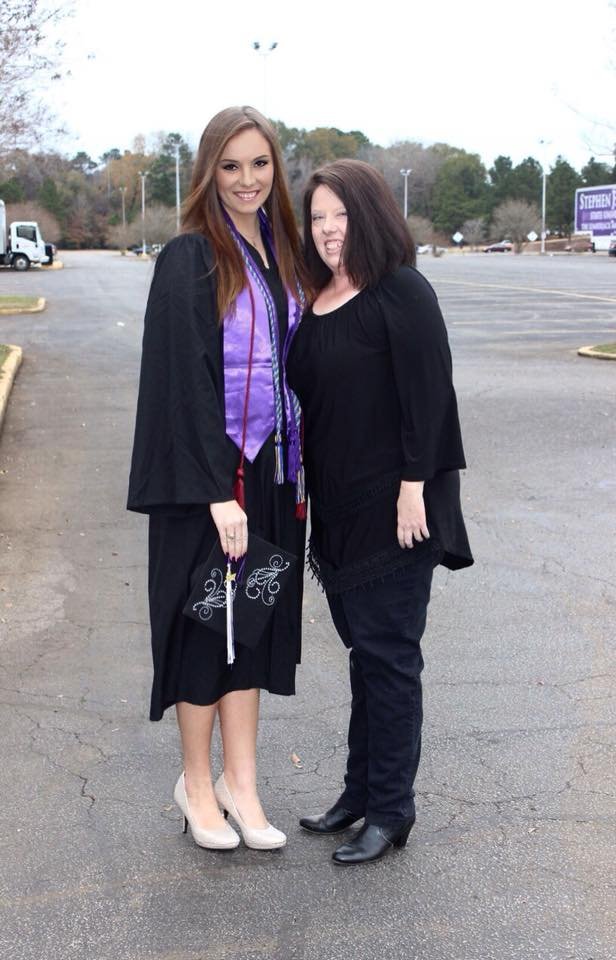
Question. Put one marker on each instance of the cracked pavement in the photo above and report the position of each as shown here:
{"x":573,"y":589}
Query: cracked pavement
{"x":512,"y":855}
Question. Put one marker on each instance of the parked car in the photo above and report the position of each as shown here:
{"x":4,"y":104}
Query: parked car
{"x":580,"y":245}
{"x":431,"y":248}
{"x":503,"y":246}
{"x":611,"y":250}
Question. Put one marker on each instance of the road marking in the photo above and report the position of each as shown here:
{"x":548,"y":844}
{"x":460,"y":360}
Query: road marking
{"x":492,"y":322}
{"x":501,"y":286}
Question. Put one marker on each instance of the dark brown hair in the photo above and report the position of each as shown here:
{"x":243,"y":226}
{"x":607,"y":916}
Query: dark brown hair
{"x":377,"y":238}
{"x":202,"y":210}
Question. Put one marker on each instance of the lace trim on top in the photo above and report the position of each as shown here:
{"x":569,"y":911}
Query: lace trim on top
{"x":372,"y":568}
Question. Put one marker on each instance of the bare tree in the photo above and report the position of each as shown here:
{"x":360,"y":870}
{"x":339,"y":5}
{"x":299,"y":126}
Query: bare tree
{"x":28,"y":61}
{"x":422,"y":230}
{"x":515,"y":219}
{"x":50,"y":228}
{"x":159,"y":227}
{"x":474,"y":231}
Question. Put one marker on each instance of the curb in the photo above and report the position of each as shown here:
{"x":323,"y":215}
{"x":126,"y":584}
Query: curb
{"x":8,"y":372}
{"x":597,"y":354}
{"x":56,"y":265}
{"x":11,"y":311}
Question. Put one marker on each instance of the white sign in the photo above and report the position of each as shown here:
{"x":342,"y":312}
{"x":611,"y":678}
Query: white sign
{"x":532,"y":236}
{"x":457,"y":237}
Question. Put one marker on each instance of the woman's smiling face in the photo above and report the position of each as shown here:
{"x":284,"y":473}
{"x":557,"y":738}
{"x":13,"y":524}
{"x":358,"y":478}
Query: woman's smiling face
{"x":329,"y":226}
{"x":245,"y":173}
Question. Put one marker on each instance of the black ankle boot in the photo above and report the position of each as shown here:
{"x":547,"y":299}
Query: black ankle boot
{"x":334,"y":821}
{"x":372,"y":842}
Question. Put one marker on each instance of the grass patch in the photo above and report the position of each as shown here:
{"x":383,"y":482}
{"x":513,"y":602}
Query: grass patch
{"x":12,"y":303}
{"x":606,"y":347}
{"x":4,"y":352}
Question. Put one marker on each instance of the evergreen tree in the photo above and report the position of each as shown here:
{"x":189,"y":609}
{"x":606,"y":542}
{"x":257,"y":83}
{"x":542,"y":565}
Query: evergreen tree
{"x":562,"y":183}
{"x":12,"y":191}
{"x":526,"y":181}
{"x":161,"y":181}
{"x":50,"y":197}
{"x":460,"y":192}
{"x":595,"y":174}
{"x":501,"y":180}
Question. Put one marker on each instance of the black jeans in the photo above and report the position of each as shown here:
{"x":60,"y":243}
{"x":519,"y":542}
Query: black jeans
{"x":383,"y":623}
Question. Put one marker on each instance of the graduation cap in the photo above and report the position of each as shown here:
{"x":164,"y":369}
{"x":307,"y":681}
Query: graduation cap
{"x":237,"y":598}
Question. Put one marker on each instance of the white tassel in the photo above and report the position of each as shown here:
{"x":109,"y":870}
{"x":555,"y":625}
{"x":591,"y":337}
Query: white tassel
{"x":230,"y":577}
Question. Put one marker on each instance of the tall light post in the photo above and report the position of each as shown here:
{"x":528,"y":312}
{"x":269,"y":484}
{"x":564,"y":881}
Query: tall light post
{"x":544,"y":144}
{"x":177,"y":188}
{"x":123,"y":195}
{"x":406,"y":174}
{"x":143,"y":175}
{"x":264,"y":52}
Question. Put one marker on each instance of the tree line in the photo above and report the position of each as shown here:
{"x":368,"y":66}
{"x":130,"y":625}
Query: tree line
{"x":82,"y":201}
{"x":85,"y":202}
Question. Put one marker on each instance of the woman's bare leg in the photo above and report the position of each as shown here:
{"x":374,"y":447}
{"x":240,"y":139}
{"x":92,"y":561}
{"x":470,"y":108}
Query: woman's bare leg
{"x":239,"y":717}
{"x":196,"y":724}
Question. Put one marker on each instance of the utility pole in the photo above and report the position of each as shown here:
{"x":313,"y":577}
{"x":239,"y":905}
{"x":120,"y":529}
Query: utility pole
{"x":406,"y":174}
{"x":143,"y":175}
{"x":177,"y":188}
{"x":544,"y":144}
{"x":264,"y":52}
{"x":123,"y":193}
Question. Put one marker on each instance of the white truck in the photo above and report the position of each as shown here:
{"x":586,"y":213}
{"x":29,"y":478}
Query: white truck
{"x":21,"y":243}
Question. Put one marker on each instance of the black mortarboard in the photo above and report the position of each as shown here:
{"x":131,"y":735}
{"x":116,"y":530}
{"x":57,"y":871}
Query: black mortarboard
{"x":255,"y":583}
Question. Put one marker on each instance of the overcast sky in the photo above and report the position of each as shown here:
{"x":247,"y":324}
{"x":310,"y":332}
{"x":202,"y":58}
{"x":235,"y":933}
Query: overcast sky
{"x":486,"y":76}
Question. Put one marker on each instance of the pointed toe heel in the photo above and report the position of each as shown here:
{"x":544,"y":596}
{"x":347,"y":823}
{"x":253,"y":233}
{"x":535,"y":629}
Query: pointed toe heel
{"x":265,"y":838}
{"x":222,"y":839}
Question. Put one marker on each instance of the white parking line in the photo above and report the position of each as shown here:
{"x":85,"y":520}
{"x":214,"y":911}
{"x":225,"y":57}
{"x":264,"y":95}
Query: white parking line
{"x":500,"y":286}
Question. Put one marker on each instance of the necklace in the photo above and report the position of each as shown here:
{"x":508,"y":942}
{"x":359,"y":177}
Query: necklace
{"x":251,"y":240}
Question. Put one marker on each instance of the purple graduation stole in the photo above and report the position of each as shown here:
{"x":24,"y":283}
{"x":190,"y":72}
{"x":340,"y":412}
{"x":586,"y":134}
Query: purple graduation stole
{"x":249,"y":424}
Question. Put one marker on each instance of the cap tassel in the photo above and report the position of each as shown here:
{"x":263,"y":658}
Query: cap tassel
{"x":300,"y":495}
{"x":279,"y":471}
{"x":229,"y":580}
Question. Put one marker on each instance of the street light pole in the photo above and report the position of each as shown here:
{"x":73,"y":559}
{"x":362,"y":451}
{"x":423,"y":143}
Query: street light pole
{"x":177,"y":188}
{"x":264,"y":53}
{"x":123,"y":192}
{"x":544,"y":144}
{"x":143,"y":175}
{"x":406,"y":174}
{"x":543,"y":186}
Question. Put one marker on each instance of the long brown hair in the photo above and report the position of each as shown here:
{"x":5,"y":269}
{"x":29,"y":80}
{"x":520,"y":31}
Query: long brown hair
{"x":202,"y":210}
{"x":377,"y":239}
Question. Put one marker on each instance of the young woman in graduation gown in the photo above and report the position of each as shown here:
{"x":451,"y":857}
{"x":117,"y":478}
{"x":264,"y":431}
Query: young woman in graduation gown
{"x":225,"y":300}
{"x":372,"y":368}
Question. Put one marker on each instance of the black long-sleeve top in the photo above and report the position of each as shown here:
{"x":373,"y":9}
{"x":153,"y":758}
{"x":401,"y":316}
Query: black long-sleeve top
{"x":374,"y":380}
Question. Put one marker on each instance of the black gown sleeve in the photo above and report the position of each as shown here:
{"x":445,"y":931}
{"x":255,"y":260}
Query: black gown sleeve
{"x":431,"y":439}
{"x":182,"y":458}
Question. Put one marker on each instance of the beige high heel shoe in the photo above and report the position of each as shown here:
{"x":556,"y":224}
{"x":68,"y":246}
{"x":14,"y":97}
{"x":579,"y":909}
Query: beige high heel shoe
{"x":265,"y":838}
{"x":224,"y":839}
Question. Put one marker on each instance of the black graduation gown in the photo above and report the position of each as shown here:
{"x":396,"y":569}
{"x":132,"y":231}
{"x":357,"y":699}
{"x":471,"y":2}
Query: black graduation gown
{"x":183,"y":461}
{"x":374,"y":380}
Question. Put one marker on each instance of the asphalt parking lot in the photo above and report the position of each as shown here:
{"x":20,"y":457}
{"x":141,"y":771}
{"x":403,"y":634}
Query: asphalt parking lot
{"x":513,"y":852}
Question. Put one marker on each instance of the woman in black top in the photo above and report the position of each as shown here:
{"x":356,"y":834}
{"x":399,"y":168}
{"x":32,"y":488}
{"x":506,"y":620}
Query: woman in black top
{"x":226,"y":290}
{"x":372,"y":368}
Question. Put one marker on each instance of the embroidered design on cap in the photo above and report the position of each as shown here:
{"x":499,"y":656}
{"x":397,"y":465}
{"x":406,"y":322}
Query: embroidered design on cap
{"x":215,"y":595}
{"x":263,"y":581}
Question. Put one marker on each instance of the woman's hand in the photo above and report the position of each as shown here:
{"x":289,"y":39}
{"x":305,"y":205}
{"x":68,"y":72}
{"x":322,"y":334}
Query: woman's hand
{"x":232,"y":525}
{"x":411,"y":513}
